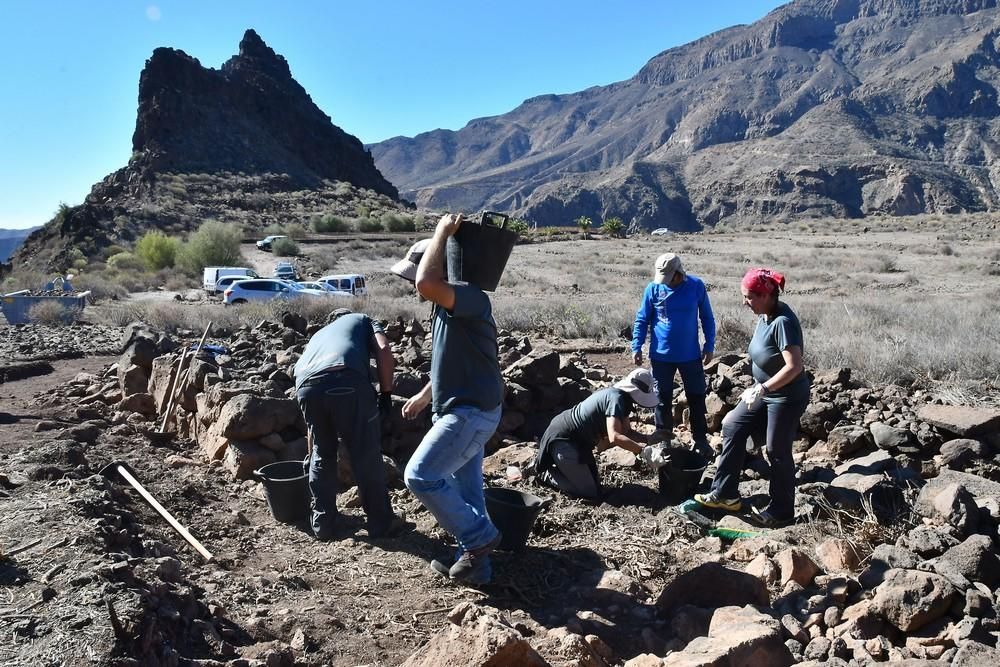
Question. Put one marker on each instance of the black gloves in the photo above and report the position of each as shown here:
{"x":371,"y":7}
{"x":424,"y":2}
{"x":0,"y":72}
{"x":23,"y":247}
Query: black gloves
{"x":385,"y":403}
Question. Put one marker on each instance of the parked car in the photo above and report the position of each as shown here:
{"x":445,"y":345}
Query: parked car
{"x":212,"y":274}
{"x":225,"y":282}
{"x":266,"y":289}
{"x":286,"y":271}
{"x":265,"y":243}
{"x":662,"y":231}
{"x":352,"y":283}
{"x":323,"y":287}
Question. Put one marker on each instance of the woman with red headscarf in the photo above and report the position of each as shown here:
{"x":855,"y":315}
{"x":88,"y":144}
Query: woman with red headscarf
{"x":776,"y":401}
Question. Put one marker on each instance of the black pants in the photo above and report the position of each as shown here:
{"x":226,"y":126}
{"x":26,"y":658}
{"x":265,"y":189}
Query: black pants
{"x":340,"y":407}
{"x":782,"y":423}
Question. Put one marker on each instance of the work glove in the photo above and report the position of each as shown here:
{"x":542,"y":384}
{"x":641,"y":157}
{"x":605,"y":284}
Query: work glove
{"x":654,"y":456}
{"x":385,"y":403}
{"x":753,"y":396}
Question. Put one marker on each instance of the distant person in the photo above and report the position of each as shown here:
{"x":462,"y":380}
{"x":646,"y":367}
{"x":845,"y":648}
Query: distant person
{"x":465,"y":392}
{"x":565,"y":459}
{"x":340,"y":406}
{"x":775,"y":402}
{"x":672,"y":305}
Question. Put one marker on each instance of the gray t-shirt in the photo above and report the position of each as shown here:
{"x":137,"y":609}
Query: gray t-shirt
{"x":348,"y":341}
{"x":464,"y":365}
{"x":768,"y":342}
{"x":587,"y":421}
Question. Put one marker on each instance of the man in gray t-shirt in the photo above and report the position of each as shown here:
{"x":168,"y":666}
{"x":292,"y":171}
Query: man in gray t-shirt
{"x":339,"y":406}
{"x":466,"y":390}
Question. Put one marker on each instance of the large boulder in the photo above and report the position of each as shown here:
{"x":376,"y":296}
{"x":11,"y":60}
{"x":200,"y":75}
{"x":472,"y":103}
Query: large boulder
{"x":961,"y":453}
{"x":736,"y":636}
{"x":476,"y":637}
{"x":818,"y":418}
{"x":845,"y":440}
{"x":247,"y":417}
{"x":536,"y":369}
{"x":890,"y":437}
{"x":962,"y":420}
{"x":713,"y":585}
{"x":976,"y":559}
{"x":910,"y":599}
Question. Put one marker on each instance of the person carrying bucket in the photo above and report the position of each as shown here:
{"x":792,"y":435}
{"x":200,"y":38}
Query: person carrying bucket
{"x":672,"y":305}
{"x":340,"y":405}
{"x":565,"y":459}
{"x":465,"y":392}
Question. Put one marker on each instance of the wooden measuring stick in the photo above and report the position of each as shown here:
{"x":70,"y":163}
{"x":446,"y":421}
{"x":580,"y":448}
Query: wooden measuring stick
{"x":170,"y":391}
{"x":162,"y":511}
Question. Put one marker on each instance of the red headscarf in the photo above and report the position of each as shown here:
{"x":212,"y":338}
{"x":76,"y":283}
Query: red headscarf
{"x":763,"y":281}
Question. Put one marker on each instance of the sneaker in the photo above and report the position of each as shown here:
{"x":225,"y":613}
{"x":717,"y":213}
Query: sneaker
{"x":716,"y":502}
{"x":703,"y":449}
{"x":765,"y":519}
{"x":440,"y":568}
{"x":474,"y":565}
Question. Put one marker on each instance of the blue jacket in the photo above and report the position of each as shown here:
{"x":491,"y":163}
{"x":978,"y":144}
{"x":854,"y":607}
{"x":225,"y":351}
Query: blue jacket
{"x":673,"y":314}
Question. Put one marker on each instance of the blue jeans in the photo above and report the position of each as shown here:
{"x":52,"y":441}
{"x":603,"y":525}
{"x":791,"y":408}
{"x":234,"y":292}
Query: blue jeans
{"x":693,"y":378}
{"x":446,"y":473}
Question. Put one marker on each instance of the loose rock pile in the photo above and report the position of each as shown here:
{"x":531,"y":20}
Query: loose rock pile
{"x":899,"y":560}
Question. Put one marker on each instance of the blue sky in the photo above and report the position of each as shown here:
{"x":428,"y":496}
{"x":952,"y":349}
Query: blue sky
{"x":379,"y":68}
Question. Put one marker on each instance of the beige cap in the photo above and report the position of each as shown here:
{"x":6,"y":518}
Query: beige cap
{"x":667,"y":265}
{"x":406,"y":268}
{"x":640,"y":385}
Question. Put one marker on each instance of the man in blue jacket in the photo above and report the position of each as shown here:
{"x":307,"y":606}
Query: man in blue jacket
{"x":672,"y":305}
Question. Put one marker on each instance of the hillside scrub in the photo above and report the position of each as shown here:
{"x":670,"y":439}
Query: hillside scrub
{"x":214,"y":244}
{"x":286,"y":247}
{"x":157,"y":250}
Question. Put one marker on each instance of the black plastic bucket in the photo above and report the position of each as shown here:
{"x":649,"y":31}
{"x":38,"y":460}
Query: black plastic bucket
{"x":286,"y":488}
{"x":478,"y":252}
{"x":514,"y":513}
{"x":679,"y":478}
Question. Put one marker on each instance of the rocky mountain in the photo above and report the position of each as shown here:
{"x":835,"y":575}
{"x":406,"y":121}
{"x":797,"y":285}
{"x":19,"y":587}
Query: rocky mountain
{"x":841,"y":108}
{"x":11,"y":239}
{"x":244,"y":144}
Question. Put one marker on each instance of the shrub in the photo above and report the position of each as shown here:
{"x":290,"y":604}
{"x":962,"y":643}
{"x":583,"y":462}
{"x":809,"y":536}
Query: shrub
{"x":329,"y":223}
{"x":157,"y":250}
{"x":273,"y":230}
{"x":51,"y":312}
{"x":614,"y":227}
{"x":368,"y":225}
{"x":125,"y":261}
{"x":517,"y":226}
{"x":296,"y":231}
{"x":584,"y":223}
{"x":395,"y":222}
{"x":213,"y":244}
{"x":285,"y":247}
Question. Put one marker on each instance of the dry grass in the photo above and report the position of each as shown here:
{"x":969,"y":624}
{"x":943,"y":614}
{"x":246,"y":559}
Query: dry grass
{"x":890,"y":302}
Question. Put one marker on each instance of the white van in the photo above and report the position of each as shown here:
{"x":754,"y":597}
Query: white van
{"x":352,"y":283}
{"x":213,"y":273}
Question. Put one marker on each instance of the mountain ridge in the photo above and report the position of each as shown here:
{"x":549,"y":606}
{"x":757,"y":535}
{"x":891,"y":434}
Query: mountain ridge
{"x":865,"y":95}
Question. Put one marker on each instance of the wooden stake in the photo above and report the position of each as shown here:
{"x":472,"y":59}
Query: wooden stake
{"x":170,"y":391}
{"x":183,"y":383}
{"x":162,"y":511}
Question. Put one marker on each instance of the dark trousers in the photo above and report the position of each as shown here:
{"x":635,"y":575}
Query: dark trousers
{"x":574,"y":473}
{"x":693,"y":379}
{"x":781,"y":421}
{"x":340,"y":407}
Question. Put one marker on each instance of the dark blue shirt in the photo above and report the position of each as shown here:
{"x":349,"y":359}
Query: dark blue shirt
{"x":348,"y":341}
{"x":672,"y":313}
{"x":768,"y":342}
{"x":464,"y":365}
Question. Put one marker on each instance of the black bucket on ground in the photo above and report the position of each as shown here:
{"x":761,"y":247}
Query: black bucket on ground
{"x":286,"y":488}
{"x":478,"y":252}
{"x":679,"y":479}
{"x":514,"y":513}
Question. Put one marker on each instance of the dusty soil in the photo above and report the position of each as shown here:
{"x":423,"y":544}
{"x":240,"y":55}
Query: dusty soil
{"x":87,"y":541}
